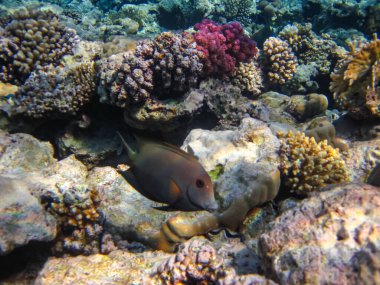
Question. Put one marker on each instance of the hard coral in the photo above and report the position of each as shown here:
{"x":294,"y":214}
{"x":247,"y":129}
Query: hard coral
{"x":33,"y":38}
{"x":79,"y":218}
{"x":280,"y":60}
{"x":355,"y":81}
{"x":307,"y":165}
{"x":55,"y":91}
{"x":248,"y":77}
{"x":177,"y":63}
{"x":223,"y":45}
{"x":125,"y":78}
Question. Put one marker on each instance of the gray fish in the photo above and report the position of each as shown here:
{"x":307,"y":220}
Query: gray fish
{"x":374,"y":176}
{"x":169,"y":175}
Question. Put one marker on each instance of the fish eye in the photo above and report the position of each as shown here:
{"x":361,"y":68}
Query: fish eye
{"x":199,"y":183}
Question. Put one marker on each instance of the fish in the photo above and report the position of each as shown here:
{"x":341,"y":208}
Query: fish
{"x":167,"y":174}
{"x":374,"y":177}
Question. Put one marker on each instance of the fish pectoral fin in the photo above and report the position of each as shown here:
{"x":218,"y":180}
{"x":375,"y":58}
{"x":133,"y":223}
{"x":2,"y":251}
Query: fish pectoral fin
{"x":167,"y":208}
{"x":174,"y":191}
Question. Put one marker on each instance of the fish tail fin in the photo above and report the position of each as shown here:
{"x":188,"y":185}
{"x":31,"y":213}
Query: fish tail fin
{"x":131,"y":152}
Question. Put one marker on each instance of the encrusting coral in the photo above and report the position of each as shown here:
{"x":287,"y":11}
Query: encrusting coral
{"x":80,"y":221}
{"x":355,"y":81}
{"x":280,"y":60}
{"x":307,"y":165}
{"x":33,"y":38}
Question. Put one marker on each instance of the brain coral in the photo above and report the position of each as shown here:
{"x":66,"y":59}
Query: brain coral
{"x":280,"y":60}
{"x":355,"y":81}
{"x":33,"y":38}
{"x":55,"y":91}
{"x":307,"y":165}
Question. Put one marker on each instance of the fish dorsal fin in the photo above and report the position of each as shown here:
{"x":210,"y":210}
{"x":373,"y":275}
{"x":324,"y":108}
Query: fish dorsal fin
{"x":177,"y":150}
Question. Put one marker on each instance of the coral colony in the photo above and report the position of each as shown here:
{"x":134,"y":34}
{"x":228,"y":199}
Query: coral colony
{"x":189,"y":142}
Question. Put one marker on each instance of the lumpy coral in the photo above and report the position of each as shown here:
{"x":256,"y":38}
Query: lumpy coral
{"x":125,"y":78}
{"x":280,"y":60}
{"x":355,"y":81}
{"x":248,"y":77}
{"x":177,"y":62}
{"x":55,"y":91}
{"x":238,"y":10}
{"x":223,"y":45}
{"x":32,"y":39}
{"x":80,"y":221}
{"x":168,"y":64}
{"x":307,"y":165}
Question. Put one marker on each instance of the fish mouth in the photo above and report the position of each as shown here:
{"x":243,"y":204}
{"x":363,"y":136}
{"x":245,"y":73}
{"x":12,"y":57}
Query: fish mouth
{"x":211,"y":207}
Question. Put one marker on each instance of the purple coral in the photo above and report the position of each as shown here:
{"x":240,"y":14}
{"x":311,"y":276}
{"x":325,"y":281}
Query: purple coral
{"x":223,"y":45}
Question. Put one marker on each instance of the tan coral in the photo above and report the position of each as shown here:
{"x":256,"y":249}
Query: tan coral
{"x":307,"y":165}
{"x":355,"y":80}
{"x":281,"y":62}
{"x":248,"y":77}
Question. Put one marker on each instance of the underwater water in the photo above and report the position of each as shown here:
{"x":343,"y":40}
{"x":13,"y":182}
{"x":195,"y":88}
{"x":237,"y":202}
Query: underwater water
{"x":189,"y":142}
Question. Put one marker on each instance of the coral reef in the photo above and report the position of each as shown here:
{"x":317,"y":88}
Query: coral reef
{"x":280,"y":60}
{"x":54,"y":91}
{"x":178,"y":13}
{"x":355,"y":81}
{"x":331,"y":236}
{"x":76,"y":209}
{"x":168,"y":64}
{"x":307,"y":165}
{"x":238,"y":10}
{"x":308,"y":106}
{"x":223,"y":45}
{"x":125,"y":78}
{"x":177,"y":63}
{"x":33,"y":38}
{"x":320,"y":51}
{"x":248,"y":77}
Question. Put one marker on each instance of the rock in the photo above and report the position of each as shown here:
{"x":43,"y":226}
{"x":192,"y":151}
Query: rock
{"x":253,"y":142}
{"x":22,"y":217}
{"x":90,"y":146}
{"x":22,"y":152}
{"x":198,"y":260}
{"x":362,"y":157}
{"x":331,"y":238}
{"x":119,"y":267}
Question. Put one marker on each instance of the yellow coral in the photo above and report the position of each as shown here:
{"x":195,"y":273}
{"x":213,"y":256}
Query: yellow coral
{"x":281,"y":61}
{"x":307,"y":165}
{"x":355,"y":80}
{"x":248,"y":77}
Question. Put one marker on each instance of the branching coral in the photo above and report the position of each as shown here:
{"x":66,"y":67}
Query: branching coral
{"x":248,"y":77}
{"x":79,"y":219}
{"x":223,"y":46}
{"x":320,"y":51}
{"x":307,"y":165}
{"x":33,"y":38}
{"x":355,"y":80}
{"x":280,"y":60}
{"x":55,"y":91}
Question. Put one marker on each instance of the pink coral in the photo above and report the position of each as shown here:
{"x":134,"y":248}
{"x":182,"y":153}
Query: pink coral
{"x":223,"y":45}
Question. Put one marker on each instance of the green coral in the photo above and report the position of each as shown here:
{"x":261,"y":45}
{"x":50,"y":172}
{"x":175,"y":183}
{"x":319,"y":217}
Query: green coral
{"x":216,"y":172}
